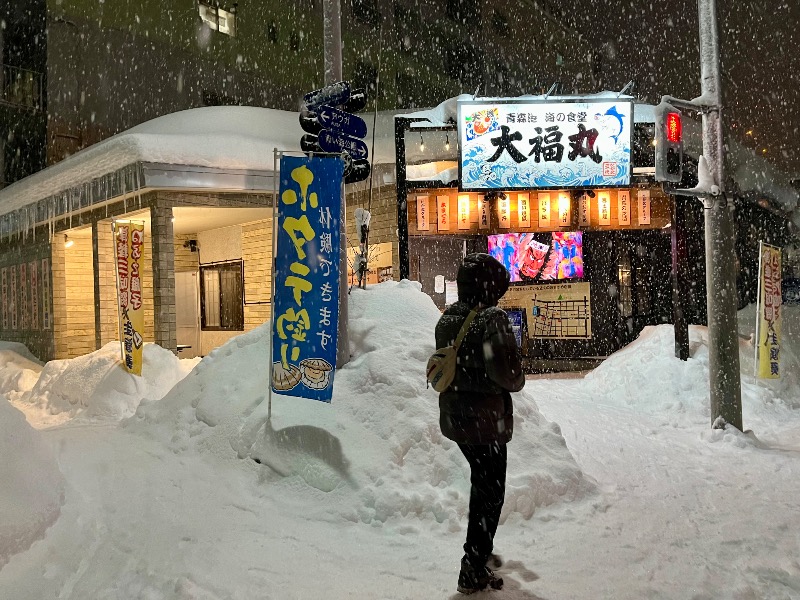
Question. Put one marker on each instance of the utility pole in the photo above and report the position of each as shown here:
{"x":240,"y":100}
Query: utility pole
{"x":332,"y":44}
{"x":723,"y":343}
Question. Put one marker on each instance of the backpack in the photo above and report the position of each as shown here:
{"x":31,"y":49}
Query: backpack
{"x":442,"y":364}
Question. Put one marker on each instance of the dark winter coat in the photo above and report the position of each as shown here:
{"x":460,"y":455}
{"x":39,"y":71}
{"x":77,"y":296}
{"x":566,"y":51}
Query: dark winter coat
{"x":477,"y":408}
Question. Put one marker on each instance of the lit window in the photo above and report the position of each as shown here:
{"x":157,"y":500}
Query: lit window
{"x":220,"y":20}
{"x":222,"y":297}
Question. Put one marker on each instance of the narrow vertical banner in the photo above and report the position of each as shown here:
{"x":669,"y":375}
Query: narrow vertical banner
{"x":604,"y":208}
{"x":768,"y":321}
{"x":23,"y":301}
{"x":128,"y":249}
{"x":584,"y":211}
{"x":544,"y":210}
{"x":524,"y":209}
{"x":12,"y":298}
{"x":33,"y":268}
{"x":564,"y":209}
{"x":463,"y":211}
{"x":443,"y":213}
{"x":624,"y":207}
{"x":423,"y":214}
{"x":306,"y":302}
{"x":504,"y":211}
{"x":643,"y":200}
{"x":47,"y":315}
{"x":484,"y":208}
{"x":4,"y":289}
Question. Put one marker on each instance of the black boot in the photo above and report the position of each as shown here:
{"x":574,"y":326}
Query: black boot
{"x":474,"y":579}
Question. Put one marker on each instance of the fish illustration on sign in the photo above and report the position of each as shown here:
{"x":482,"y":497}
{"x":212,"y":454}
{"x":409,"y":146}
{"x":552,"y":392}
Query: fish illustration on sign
{"x":614,"y":114}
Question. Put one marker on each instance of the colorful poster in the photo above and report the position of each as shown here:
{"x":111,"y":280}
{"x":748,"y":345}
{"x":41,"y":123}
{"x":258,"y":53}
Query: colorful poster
{"x":539,"y":256}
{"x":129,"y":247}
{"x":306,"y":301}
{"x":4,"y":290}
{"x":34,"y":295}
{"x":423,"y":214}
{"x":768,"y":307}
{"x":24,"y":321}
{"x":529,"y":144}
{"x":46,"y":301}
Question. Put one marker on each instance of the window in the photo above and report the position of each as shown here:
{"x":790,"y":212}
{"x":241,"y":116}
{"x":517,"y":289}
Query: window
{"x":625,"y":285}
{"x":222,"y":297}
{"x":272,"y":32}
{"x":219,"y":20}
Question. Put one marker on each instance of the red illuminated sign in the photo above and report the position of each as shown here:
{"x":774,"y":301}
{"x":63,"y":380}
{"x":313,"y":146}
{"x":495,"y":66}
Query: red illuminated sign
{"x":673,"y":127}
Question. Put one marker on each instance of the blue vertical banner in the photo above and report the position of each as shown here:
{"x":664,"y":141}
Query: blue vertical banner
{"x":306,"y":302}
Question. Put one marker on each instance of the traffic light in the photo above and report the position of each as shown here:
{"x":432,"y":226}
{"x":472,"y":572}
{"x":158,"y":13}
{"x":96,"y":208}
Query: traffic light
{"x":669,"y":143}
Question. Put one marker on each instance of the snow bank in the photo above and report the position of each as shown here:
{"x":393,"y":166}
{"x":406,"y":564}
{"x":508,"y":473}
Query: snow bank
{"x":19,"y":370}
{"x":31,"y":493}
{"x":96,"y":386}
{"x":376,"y":454}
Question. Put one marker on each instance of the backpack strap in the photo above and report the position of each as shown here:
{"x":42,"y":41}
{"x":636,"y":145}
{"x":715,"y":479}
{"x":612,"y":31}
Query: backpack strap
{"x":464,"y":328}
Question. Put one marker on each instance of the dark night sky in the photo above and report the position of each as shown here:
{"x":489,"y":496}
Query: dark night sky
{"x":656,"y":44}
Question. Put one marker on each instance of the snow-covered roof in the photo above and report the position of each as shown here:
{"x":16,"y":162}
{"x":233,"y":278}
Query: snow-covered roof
{"x":225,"y":138}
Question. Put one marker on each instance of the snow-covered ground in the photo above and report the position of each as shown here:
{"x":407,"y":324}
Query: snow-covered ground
{"x":179,"y":486}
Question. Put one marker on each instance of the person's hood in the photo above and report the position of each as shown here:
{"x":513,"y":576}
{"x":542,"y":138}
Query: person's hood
{"x":481,"y":279}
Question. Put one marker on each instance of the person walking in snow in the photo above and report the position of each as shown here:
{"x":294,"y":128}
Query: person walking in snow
{"x":476,"y":410}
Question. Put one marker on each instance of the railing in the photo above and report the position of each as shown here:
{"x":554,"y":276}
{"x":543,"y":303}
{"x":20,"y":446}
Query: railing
{"x":22,"y":87}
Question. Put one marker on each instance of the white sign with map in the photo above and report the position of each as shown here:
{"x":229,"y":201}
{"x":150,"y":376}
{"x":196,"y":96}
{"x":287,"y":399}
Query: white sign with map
{"x":558,"y":311}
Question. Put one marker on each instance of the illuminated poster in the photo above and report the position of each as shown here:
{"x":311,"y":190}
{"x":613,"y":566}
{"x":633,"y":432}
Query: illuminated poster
{"x":544,"y":210}
{"x":524,"y":210}
{"x":768,"y":307}
{"x":484,"y":206}
{"x":34,"y":295}
{"x":564,"y":210}
{"x":423,"y":214}
{"x":504,"y":212}
{"x":643,"y":198}
{"x":604,"y":208}
{"x":624,"y":207}
{"x":128,"y":248}
{"x":443,"y":212}
{"x":306,"y":301}
{"x":45,"y":281}
{"x":584,"y":211}
{"x":463,"y":211}
{"x":528,"y":144}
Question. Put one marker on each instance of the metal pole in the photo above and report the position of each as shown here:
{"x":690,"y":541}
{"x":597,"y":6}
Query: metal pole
{"x":276,"y":155}
{"x":332,"y":39}
{"x":723,"y":345}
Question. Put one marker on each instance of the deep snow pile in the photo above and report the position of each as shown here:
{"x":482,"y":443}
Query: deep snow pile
{"x":380,"y":439}
{"x":96,"y":385}
{"x":19,"y":370}
{"x":31,"y":486}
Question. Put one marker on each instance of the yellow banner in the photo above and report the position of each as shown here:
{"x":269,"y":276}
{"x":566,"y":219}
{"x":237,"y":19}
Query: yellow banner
{"x":128,"y":249}
{"x":768,"y":318}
